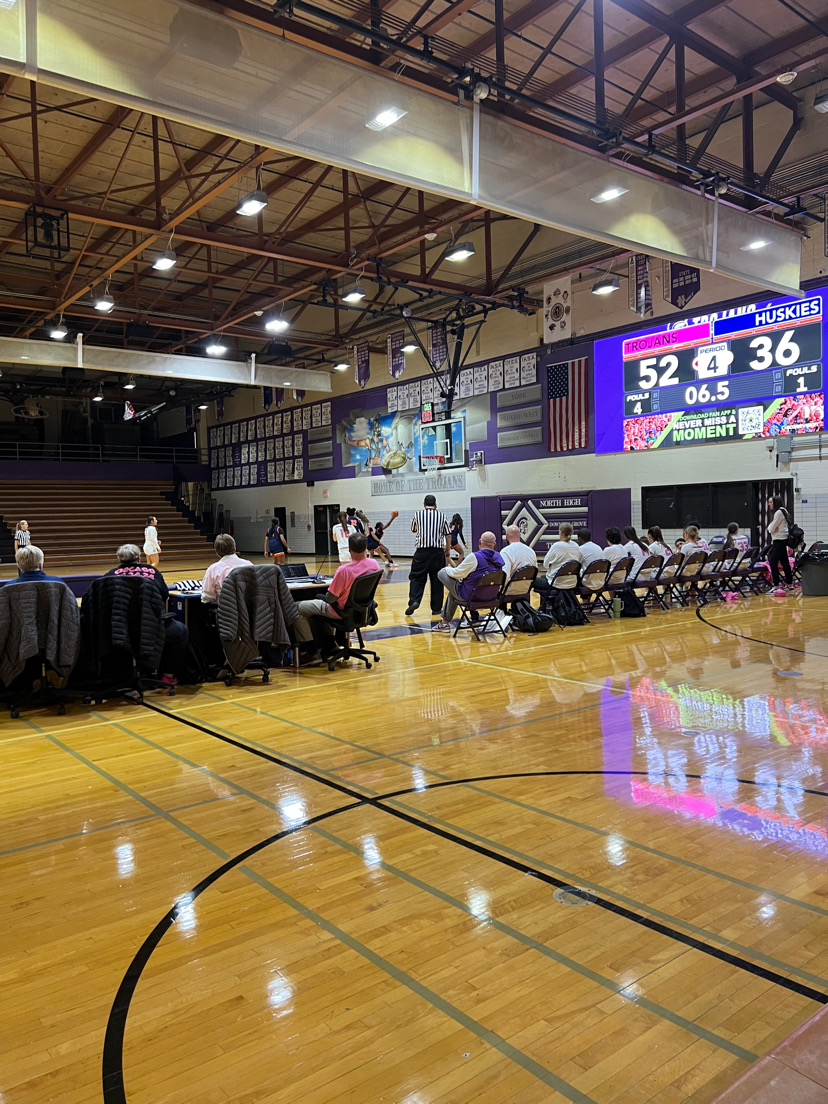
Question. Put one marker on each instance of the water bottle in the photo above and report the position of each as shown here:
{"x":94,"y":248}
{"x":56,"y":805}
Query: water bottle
{"x":616,"y":607}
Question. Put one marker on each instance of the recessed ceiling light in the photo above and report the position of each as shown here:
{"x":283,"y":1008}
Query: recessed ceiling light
{"x":216,"y":347}
{"x":286,"y":383}
{"x":353,"y":294}
{"x":609,"y":194}
{"x":760,"y":243}
{"x":252,"y":203}
{"x":386,"y":118}
{"x":104,"y":303}
{"x":165,"y":261}
{"x":606,"y":286}
{"x":460,"y":252}
{"x":277,"y":324}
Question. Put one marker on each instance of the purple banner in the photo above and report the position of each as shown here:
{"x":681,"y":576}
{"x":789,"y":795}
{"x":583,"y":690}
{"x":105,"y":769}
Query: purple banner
{"x":396,"y":357}
{"x":437,"y":345}
{"x":220,"y":409}
{"x":267,"y":397}
{"x":641,"y":296}
{"x":278,"y":396}
{"x":680,"y":283}
{"x":362,"y":363}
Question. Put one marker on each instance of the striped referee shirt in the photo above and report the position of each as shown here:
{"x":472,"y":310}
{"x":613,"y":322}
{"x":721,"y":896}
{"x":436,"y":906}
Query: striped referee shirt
{"x":23,"y":537}
{"x":431,"y":528}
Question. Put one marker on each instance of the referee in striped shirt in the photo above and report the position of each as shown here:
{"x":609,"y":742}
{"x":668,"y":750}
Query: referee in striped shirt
{"x":432,"y":553}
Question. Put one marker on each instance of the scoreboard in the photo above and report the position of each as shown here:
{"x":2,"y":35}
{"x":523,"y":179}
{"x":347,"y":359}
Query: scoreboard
{"x":753,"y":372}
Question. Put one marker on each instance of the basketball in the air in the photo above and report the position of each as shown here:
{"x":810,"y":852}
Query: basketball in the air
{"x":395,"y":513}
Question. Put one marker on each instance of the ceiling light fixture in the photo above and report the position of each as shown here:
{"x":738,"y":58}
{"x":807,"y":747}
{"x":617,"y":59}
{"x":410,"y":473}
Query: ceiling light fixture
{"x":410,"y":347}
{"x":342,"y":366}
{"x":386,"y":118}
{"x":821,"y":103}
{"x":58,"y":330}
{"x":202,"y":406}
{"x":165,"y":261}
{"x":461,"y":251}
{"x":354,"y":293}
{"x":105,"y":303}
{"x":277,"y":324}
{"x":786,"y":78}
{"x":609,"y":194}
{"x":760,"y":243}
{"x":252,"y":203}
{"x":99,"y":396}
{"x":216,"y":347}
{"x":130,"y":384}
{"x":606,"y":285}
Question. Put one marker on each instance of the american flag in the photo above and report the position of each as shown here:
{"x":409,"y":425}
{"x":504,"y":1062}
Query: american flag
{"x":568,"y":393}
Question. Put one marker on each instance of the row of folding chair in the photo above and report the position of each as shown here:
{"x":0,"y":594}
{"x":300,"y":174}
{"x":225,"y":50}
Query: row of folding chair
{"x":700,"y":575}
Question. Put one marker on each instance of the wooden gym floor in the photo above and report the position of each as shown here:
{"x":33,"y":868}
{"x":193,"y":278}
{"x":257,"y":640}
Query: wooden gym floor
{"x":346,"y":887}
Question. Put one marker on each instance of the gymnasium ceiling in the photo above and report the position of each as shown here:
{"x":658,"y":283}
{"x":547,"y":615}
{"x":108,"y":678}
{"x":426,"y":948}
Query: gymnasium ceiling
{"x":685,"y":91}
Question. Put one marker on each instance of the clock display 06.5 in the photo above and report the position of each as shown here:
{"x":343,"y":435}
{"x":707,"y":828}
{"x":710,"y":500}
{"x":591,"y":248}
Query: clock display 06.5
{"x":750,"y":372}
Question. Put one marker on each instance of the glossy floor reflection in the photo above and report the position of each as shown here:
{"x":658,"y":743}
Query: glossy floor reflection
{"x":398,"y":940}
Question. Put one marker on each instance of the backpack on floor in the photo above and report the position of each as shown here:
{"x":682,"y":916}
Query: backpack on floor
{"x":529,"y":620}
{"x":565,"y":608}
{"x":631,"y":604}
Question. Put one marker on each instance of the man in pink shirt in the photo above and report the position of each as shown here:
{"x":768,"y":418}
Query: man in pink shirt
{"x":216,"y":573}
{"x":330,"y":607}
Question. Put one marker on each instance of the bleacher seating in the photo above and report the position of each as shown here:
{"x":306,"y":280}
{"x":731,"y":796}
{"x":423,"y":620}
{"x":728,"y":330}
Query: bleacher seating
{"x":78,"y":524}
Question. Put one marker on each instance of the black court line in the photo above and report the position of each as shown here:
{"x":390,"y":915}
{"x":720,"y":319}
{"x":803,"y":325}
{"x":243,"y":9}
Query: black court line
{"x":755,"y":639}
{"x":112,"y":1057}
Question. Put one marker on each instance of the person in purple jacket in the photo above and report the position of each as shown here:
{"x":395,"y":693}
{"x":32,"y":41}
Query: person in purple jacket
{"x":461,"y":580}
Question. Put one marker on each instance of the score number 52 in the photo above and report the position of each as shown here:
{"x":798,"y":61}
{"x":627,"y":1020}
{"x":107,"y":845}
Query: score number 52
{"x":786,"y":352}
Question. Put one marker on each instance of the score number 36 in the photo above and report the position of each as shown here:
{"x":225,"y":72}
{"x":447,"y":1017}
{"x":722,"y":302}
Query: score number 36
{"x":786,"y":352}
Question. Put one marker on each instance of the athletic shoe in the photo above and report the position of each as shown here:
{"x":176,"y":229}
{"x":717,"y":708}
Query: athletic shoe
{"x":412,"y":609}
{"x":169,"y":680}
{"x":313,"y":660}
{"x":442,"y":626}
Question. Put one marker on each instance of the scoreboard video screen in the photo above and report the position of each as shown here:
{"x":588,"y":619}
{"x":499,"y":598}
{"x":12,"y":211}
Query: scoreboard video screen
{"x":751,"y":372}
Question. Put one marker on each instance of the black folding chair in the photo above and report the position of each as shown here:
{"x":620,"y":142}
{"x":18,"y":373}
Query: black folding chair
{"x":593,"y":580}
{"x":752,"y":575}
{"x":568,"y":570}
{"x":648,"y":578}
{"x":518,"y":587}
{"x":617,"y":579}
{"x":486,"y":598}
{"x":708,"y":576}
{"x":684,"y":581}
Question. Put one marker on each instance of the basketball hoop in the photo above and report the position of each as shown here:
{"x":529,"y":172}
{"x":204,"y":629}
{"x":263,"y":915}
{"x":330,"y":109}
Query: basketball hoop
{"x":433,"y":464}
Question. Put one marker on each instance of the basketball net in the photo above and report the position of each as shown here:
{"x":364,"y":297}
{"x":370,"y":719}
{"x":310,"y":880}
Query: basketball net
{"x":433,"y":464}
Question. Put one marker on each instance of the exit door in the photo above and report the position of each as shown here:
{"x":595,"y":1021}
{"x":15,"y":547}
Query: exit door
{"x":324,"y":519}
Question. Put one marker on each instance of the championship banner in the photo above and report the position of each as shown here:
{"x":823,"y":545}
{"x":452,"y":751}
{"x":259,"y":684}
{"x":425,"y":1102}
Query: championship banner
{"x":362,"y":363}
{"x":437,"y":345}
{"x":641,"y":296}
{"x":279,"y":397}
{"x":220,"y":409}
{"x":396,"y":356}
{"x":557,"y":309}
{"x":679,"y":283}
{"x":267,"y":397}
{"x":792,"y":414}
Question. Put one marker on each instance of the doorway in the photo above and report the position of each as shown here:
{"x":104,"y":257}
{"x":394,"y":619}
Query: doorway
{"x":762,"y":490}
{"x":324,"y":519}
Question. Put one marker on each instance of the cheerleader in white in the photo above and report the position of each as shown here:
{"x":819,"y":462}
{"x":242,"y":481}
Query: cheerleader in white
{"x":152,"y":547}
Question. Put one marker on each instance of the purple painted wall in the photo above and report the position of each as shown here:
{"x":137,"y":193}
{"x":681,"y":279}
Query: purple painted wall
{"x":117,"y":472}
{"x":541,"y":515}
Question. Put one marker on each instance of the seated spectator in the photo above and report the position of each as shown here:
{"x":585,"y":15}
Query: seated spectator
{"x":656,"y":544}
{"x":588,"y":548}
{"x":615,"y":550}
{"x":130,"y":567}
{"x":175,"y":660}
{"x":29,"y":560}
{"x":678,"y":544}
{"x":216,"y":573}
{"x":735,"y":539}
{"x":461,"y":580}
{"x":561,"y":551}
{"x":516,"y":554}
{"x":635,"y":548}
{"x":693,"y":542}
{"x":331,"y":606}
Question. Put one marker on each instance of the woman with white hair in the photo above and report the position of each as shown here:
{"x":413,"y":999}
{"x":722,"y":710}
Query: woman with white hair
{"x":29,"y":560}
{"x":216,"y":573}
